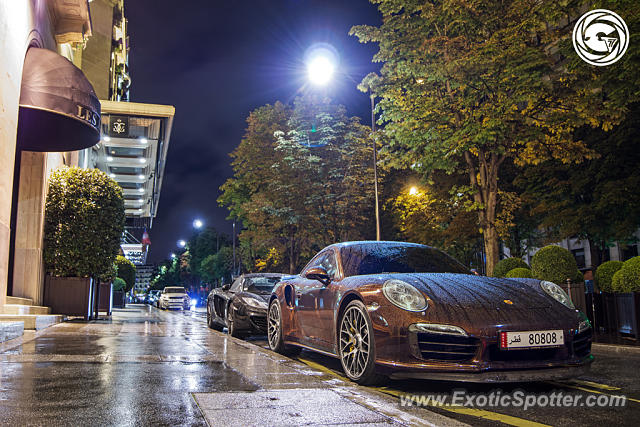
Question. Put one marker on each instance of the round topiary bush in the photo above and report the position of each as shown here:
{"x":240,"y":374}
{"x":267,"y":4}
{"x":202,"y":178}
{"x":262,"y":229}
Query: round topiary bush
{"x":119,"y":284}
{"x":84,"y":221}
{"x":519,"y":273}
{"x":126,"y":271}
{"x":555,"y":264}
{"x":604,"y":275}
{"x":506,"y":265}
{"x":627,"y":279}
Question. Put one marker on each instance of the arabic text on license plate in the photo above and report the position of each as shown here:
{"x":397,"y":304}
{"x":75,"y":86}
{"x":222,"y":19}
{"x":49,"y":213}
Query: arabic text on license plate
{"x":530,"y":339}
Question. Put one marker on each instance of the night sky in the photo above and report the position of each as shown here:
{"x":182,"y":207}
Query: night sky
{"x":216,"y":61}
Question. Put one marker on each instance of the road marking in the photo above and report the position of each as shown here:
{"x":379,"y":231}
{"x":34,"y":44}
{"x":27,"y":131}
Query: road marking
{"x":594,"y":385}
{"x":478,"y":413}
{"x":590,"y":390}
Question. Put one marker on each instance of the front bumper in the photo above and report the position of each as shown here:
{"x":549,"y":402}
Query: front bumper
{"x":479,"y":359}
{"x":253,"y":321}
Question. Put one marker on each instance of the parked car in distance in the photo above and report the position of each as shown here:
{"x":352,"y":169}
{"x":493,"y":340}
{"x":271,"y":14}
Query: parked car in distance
{"x":174,"y":297}
{"x":404,"y":310}
{"x":242,"y":306}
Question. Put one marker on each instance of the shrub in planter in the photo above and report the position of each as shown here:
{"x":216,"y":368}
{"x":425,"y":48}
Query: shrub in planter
{"x":627,"y":278}
{"x":626,"y":285}
{"x":119,"y":284}
{"x":84,"y":221}
{"x":126,"y":270}
{"x":519,"y":273}
{"x":506,"y":265}
{"x":555,"y":264}
{"x":604,"y":275}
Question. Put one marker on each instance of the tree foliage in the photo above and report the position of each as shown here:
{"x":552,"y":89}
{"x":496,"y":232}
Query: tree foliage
{"x":301,"y":180}
{"x":218,"y":267}
{"x":126,"y":270}
{"x":466,"y":85}
{"x":84,"y":221}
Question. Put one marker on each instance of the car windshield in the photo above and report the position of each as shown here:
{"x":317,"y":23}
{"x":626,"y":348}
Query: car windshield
{"x":376,"y":258}
{"x":174,"y":290}
{"x":260,"y":285}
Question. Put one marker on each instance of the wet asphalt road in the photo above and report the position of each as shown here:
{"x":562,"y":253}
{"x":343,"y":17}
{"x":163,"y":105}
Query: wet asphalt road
{"x":142,"y":368}
{"x":137,"y":370}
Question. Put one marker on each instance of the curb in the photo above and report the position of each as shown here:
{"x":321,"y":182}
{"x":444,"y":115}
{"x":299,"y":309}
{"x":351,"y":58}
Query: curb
{"x":613,"y":348}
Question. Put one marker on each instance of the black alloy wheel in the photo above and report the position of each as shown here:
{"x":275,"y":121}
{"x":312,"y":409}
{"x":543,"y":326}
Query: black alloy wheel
{"x":231,"y":327}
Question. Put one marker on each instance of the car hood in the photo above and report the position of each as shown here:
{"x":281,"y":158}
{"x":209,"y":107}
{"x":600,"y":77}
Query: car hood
{"x":259,"y":297}
{"x":482,"y":304}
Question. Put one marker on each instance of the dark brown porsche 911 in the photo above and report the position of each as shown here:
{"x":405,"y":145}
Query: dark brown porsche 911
{"x":411,"y":311}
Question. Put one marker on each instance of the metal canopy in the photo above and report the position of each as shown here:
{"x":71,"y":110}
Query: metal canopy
{"x":59,"y":110}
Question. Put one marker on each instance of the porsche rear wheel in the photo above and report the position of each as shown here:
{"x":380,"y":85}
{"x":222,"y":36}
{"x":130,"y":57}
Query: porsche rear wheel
{"x":357,"y":346}
{"x":274,"y":331}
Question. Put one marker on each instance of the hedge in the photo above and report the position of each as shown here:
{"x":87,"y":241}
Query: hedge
{"x":604,"y":275}
{"x":506,"y":265}
{"x":520,"y":273}
{"x":84,"y":222}
{"x":119,"y":284}
{"x":126,"y":271}
{"x":627,"y":279}
{"x":555,"y":264}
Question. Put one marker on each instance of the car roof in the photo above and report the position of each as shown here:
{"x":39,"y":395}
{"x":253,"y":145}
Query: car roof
{"x":375,"y":242}
{"x":249,"y":275}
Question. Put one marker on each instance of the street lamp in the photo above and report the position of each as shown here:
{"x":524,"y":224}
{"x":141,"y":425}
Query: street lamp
{"x":182,"y":243}
{"x":321,"y":65}
{"x":413,"y":191}
{"x":197,"y":224}
{"x":173,"y":256}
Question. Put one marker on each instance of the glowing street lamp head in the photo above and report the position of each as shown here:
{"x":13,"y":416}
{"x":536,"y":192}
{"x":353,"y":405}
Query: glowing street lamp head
{"x":197,"y":223}
{"x":413,"y":191}
{"x":182,"y":243}
{"x":322,"y":60}
{"x":320,"y":70}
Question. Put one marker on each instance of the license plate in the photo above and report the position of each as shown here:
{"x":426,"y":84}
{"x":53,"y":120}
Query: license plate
{"x":531,"y":339}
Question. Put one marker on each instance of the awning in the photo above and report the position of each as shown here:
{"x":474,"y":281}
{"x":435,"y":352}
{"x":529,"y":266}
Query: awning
{"x":59,"y":110}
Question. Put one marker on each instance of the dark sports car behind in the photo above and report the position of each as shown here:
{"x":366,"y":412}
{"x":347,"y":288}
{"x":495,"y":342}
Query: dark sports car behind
{"x":242,"y":306}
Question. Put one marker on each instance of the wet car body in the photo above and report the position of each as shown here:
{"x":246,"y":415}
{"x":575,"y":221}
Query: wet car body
{"x":473,"y":310}
{"x":242,"y":306}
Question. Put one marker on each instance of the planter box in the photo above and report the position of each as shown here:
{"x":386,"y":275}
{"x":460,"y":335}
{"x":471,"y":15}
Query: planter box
{"x":106,"y":297}
{"x":118,"y":299}
{"x":598,"y":319}
{"x":628,"y":313}
{"x":610,"y":312}
{"x":72,"y":296}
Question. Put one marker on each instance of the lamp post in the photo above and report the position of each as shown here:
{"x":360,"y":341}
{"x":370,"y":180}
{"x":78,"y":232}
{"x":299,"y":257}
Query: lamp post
{"x":320,"y":70}
{"x":197,"y":223}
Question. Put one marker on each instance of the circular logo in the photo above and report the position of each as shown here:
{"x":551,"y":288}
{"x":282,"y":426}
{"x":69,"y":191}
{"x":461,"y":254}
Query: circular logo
{"x":600,"y":37}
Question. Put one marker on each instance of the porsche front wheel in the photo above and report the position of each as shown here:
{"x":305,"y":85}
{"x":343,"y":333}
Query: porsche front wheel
{"x":274,"y":331}
{"x":356,"y":345}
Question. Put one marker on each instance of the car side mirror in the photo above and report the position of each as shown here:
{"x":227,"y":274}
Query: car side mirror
{"x":226,"y":287}
{"x":319,"y":274}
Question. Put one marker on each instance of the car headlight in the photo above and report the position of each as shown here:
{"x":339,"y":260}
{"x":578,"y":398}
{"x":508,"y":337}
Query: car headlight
{"x":557,"y":293}
{"x":252,"y":302}
{"x":404,"y":295}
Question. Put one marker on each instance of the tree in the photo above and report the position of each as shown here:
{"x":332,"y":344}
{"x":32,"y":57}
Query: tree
{"x":597,"y":200}
{"x":468,"y":85}
{"x":84,"y":222}
{"x":299,"y":180}
{"x":218,"y":266}
{"x":126,"y":270}
{"x":202,"y":244}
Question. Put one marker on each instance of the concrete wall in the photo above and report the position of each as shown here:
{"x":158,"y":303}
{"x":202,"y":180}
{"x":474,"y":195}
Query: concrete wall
{"x":22,"y":23}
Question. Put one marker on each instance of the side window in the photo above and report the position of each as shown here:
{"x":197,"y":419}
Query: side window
{"x":237,"y":285}
{"x":326,"y":260}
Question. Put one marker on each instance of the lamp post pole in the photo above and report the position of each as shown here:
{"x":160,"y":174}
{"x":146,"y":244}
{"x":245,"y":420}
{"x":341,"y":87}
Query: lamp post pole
{"x":375,"y":165}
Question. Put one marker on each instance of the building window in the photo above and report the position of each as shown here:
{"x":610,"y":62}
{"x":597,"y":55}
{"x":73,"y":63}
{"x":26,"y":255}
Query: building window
{"x":578,"y":254}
